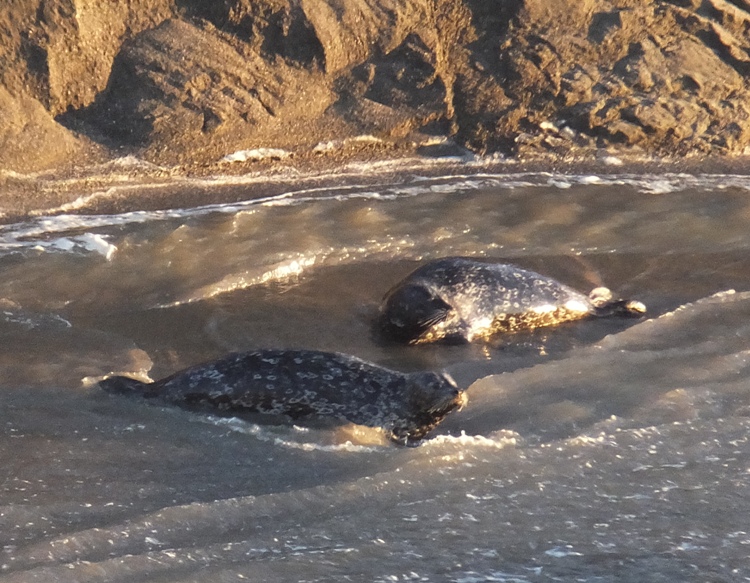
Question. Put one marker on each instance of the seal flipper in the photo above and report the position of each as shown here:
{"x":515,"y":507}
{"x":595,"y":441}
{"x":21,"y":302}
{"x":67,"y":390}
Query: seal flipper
{"x":604,"y":305}
{"x":128,"y":386}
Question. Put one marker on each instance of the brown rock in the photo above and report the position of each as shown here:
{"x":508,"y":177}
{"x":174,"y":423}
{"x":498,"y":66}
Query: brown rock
{"x":61,"y":51}
{"x":31,"y":139}
{"x":190,"y":81}
{"x":179,"y":91}
{"x":350,"y":31}
{"x":404,"y":85}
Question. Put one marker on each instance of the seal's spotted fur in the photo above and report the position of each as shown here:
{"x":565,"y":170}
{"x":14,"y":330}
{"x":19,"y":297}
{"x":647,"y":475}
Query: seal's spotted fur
{"x":458,"y":298}
{"x":300,"y":383}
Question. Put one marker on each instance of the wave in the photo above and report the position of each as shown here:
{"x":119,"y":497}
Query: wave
{"x":59,"y":231}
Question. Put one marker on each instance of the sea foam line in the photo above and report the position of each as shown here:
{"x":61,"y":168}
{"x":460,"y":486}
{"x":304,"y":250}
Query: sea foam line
{"x":29,"y":233}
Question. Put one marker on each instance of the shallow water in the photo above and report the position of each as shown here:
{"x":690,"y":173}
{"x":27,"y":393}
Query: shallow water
{"x":603,"y":450}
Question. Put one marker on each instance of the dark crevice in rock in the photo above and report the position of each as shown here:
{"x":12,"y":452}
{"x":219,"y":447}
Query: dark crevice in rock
{"x":712,"y":40}
{"x":602,"y":23}
{"x":277,"y":29}
{"x":186,"y":81}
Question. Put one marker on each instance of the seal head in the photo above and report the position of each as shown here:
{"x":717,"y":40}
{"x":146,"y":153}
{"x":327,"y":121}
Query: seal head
{"x":428,"y":398}
{"x":411,"y":310}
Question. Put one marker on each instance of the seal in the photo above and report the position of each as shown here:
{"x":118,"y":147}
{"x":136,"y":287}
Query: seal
{"x":303,"y":383}
{"x":458,"y":299}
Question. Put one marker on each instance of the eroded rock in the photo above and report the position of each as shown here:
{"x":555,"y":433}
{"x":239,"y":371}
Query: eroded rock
{"x":179,"y":91}
{"x":32,"y":140}
{"x":185,"y":82}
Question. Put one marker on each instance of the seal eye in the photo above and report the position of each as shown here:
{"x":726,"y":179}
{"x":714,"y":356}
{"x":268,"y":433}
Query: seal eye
{"x":411,"y":310}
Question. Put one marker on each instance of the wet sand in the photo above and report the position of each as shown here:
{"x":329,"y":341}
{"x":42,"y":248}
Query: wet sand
{"x":128,"y":184}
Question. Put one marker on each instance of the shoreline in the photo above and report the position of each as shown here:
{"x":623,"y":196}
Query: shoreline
{"x":194,"y":89}
{"x":129,"y":184}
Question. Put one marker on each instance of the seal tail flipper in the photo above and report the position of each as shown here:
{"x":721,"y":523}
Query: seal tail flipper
{"x":604,"y":304}
{"x":127,"y":386}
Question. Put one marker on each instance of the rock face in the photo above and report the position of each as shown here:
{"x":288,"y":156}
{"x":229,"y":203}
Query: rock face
{"x":30,"y":138}
{"x":186,"y":81}
{"x":184,"y":88}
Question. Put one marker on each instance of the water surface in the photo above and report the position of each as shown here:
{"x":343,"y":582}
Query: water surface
{"x":604,"y":450}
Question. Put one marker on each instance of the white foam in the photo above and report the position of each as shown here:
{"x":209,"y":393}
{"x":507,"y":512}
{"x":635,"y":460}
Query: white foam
{"x":561,"y":184}
{"x":497,"y":440}
{"x":329,"y":146}
{"x":30,"y":320}
{"x":97,"y":244}
{"x":284,"y":436}
{"x":561,"y":552}
{"x":611,"y":161}
{"x":326,"y":146}
{"x":658,"y":187}
{"x":34,"y":233}
{"x":256,"y":154}
{"x":79,"y":203}
{"x":86,"y":243}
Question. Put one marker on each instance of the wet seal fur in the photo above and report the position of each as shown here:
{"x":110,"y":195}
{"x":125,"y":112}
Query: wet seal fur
{"x":302,"y":383}
{"x":458,"y":299}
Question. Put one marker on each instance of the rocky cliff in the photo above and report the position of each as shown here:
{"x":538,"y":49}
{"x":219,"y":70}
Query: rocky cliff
{"x":189,"y":81}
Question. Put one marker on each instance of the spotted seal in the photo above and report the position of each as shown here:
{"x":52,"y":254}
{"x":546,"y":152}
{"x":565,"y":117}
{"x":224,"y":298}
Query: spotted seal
{"x":301,"y":383}
{"x":462,"y":299}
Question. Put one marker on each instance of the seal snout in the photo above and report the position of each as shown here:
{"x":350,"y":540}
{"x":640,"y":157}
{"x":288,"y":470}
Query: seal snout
{"x":431,"y":396}
{"x":436,"y":394}
{"x":459,"y":396}
{"x":455,"y":400}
